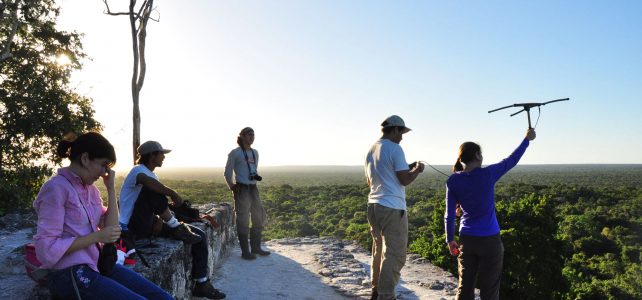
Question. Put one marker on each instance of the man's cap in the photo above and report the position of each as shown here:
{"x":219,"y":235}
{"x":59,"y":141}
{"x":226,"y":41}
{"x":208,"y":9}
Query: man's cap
{"x":246,"y":130}
{"x":151,"y":146}
{"x":395,"y":121}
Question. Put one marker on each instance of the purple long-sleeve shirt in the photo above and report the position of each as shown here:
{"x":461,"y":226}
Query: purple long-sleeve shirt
{"x":475,"y":193}
{"x":62,"y":219}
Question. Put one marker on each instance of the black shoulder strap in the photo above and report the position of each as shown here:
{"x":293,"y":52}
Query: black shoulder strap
{"x":247,"y":160}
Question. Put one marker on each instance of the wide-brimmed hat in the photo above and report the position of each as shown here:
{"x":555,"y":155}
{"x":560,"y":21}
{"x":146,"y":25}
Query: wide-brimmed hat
{"x":395,"y":121}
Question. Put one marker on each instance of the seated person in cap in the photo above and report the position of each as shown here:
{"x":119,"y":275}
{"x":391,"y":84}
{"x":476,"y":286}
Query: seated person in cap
{"x":143,"y":199}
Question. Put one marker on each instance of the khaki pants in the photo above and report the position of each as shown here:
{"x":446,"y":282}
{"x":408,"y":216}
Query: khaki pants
{"x":480,"y":261}
{"x":389,"y":229}
{"x":247,"y":204}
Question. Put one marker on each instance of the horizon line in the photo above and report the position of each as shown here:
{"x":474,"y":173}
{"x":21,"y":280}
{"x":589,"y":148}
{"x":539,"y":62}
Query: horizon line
{"x":446,"y":165}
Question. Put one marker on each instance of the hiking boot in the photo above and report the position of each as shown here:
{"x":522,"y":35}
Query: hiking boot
{"x":206,"y":290}
{"x":245,"y":248}
{"x":183,"y":233}
{"x":255,"y":241}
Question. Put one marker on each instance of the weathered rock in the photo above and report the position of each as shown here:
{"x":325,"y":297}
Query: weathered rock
{"x":16,"y":221}
{"x":343,"y":265}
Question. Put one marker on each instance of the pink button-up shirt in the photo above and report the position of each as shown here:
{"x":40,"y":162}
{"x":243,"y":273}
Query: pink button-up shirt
{"x":62,"y":219}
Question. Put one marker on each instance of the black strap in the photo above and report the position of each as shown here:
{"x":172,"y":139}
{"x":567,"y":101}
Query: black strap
{"x":248,"y":161}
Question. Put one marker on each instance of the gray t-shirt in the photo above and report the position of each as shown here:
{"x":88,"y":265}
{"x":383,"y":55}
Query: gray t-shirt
{"x":237,"y":166}
{"x":383,"y":160}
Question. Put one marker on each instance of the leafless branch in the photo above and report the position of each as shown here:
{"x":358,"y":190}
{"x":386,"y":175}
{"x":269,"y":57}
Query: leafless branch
{"x":109,"y":12}
{"x":136,"y":15}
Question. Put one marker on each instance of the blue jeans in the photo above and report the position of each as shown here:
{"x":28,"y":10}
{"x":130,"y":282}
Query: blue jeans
{"x":199,"y":254}
{"x":121,"y":283}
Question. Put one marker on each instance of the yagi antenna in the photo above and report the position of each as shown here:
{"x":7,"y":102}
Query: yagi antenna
{"x":527,"y":108}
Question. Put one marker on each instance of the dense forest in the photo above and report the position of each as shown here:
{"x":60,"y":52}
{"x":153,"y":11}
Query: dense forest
{"x":569,"y":232}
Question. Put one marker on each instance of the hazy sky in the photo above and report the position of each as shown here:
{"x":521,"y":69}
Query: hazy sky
{"x":315,"y":79}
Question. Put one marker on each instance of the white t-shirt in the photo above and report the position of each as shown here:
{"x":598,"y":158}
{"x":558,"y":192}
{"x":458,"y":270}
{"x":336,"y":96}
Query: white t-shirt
{"x":130,"y":190}
{"x":384,"y":159}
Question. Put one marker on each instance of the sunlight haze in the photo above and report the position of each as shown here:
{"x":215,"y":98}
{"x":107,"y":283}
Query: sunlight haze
{"x":315,"y":79}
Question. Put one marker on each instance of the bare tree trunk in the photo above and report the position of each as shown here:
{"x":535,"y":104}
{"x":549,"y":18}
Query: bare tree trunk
{"x":138,"y":23}
{"x":135,"y":90}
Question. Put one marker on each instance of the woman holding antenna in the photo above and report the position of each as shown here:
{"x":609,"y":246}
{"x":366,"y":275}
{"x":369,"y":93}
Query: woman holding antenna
{"x":480,"y":251}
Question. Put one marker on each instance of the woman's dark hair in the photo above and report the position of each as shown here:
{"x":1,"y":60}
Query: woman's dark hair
{"x":467,"y":153}
{"x":239,"y":139}
{"x":93,"y":143}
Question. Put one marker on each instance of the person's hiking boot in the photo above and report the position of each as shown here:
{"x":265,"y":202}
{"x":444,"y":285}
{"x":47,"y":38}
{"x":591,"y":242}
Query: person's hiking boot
{"x":205,"y":289}
{"x":255,"y":242}
{"x":183,"y":233}
{"x":245,"y":248}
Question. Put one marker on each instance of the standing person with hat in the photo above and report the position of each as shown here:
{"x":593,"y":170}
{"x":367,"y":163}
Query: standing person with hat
{"x":387,"y":174}
{"x":143,"y":200}
{"x":241,"y":176}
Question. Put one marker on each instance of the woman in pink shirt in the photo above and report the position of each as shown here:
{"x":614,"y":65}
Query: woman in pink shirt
{"x":72,"y":222}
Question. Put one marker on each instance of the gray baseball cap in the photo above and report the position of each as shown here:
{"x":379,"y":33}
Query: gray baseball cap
{"x":397,"y":121}
{"x":151,"y":146}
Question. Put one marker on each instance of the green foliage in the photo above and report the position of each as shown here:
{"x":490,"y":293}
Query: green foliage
{"x":37,"y":104}
{"x":571,"y":233}
{"x":602,"y":245}
{"x":532,"y":258}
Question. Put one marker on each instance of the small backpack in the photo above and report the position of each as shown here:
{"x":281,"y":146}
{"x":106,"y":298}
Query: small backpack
{"x":185,"y":212}
{"x":126,"y":248}
{"x":33,"y":266}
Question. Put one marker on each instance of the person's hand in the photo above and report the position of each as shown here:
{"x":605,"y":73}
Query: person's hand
{"x":416,"y":166}
{"x":453,"y":248}
{"x":109,"y":234}
{"x":530,"y":134}
{"x":109,"y":177}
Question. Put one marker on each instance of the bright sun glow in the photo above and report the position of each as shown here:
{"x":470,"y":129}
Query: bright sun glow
{"x":63,"y":60}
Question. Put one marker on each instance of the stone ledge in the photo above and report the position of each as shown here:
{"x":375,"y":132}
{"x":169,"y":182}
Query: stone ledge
{"x":170,"y":261}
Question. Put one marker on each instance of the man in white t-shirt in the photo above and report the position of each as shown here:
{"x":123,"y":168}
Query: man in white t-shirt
{"x":143,"y":197}
{"x":387,"y":174}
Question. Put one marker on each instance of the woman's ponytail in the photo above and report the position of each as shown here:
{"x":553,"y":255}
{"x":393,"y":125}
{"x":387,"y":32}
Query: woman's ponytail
{"x":458,"y":167}
{"x":467,"y":153}
{"x":92,"y":143}
{"x":65,"y":144}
